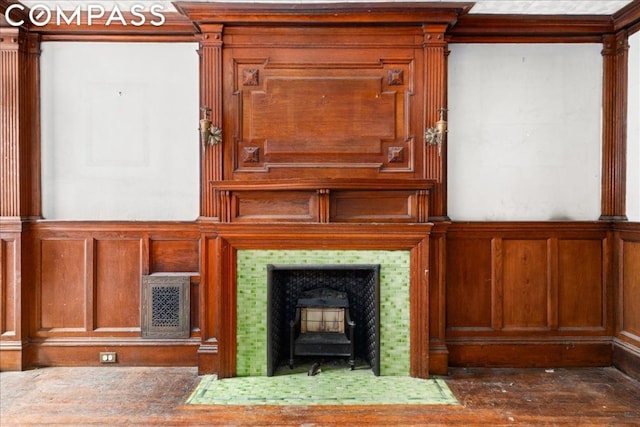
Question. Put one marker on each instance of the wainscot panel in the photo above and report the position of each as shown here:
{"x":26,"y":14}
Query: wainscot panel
{"x":87,"y":291}
{"x":626,"y":354}
{"x":529,"y":294}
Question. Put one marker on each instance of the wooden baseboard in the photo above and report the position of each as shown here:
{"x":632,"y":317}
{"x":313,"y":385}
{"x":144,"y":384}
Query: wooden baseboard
{"x":11,"y":356}
{"x":530,"y":354}
{"x":128,"y":353}
{"x":626,"y":357}
{"x":438,"y":360}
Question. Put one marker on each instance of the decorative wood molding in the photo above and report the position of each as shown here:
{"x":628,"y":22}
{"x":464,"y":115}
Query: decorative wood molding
{"x":337,"y":13}
{"x":628,"y":18}
{"x":323,"y":200}
{"x":479,"y":28}
{"x":614,"y":126}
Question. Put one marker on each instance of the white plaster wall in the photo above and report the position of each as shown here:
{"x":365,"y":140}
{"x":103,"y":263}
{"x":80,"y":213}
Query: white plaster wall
{"x":633,"y":130}
{"x":524,"y":132}
{"x":119,"y":131}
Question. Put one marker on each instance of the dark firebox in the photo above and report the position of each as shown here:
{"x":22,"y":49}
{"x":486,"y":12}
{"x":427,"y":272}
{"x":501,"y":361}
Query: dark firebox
{"x":352,"y":289}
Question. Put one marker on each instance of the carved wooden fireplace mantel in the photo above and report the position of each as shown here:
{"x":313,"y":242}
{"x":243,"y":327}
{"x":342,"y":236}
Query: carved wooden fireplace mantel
{"x":323,"y":111}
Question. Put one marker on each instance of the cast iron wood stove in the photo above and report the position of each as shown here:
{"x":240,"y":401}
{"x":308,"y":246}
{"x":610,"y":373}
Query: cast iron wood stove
{"x":334,"y":310}
{"x":322,"y":326}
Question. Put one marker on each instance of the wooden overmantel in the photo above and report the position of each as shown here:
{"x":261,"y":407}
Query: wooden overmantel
{"x":339,"y":91}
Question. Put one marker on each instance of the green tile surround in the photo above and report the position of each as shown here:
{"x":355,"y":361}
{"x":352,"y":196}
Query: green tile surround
{"x":252,"y":303}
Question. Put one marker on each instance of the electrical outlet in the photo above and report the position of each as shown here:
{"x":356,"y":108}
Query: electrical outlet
{"x":108,"y":357}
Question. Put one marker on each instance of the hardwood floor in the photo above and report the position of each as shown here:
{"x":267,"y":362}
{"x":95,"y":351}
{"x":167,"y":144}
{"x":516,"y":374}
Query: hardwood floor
{"x":155,"y":396}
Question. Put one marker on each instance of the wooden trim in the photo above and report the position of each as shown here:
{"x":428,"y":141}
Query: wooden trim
{"x":539,"y":353}
{"x":336,"y":13}
{"x":628,"y":18}
{"x":626,"y":357}
{"x":479,"y":28}
{"x":121,"y":38}
{"x":133,"y":352}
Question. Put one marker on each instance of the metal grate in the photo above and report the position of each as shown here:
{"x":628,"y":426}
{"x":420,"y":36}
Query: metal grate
{"x":165,"y":306}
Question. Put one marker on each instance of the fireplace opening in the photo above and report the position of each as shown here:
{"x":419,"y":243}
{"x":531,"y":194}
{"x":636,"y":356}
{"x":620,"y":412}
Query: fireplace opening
{"x":323,"y":312}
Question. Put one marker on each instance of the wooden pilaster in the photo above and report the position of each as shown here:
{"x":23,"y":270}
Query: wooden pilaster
{"x":20,"y":185}
{"x":435,"y":58}
{"x":614,"y":126}
{"x":211,"y":97}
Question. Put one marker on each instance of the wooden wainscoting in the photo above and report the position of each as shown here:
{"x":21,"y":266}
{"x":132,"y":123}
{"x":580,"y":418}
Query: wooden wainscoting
{"x":529,"y":294}
{"x":12,"y":331}
{"x":626,"y":341}
{"x":85,"y":297}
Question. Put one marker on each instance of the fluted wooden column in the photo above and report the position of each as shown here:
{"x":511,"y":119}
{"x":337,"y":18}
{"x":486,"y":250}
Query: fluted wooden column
{"x":435,"y":66}
{"x":211,"y":97}
{"x":614,"y":126}
{"x":19,"y":186}
{"x":20,"y":124}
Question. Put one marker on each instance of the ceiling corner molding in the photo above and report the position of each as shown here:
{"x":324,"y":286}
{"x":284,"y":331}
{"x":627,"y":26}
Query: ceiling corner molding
{"x":176,"y":27}
{"x":628,"y":18}
{"x":399,"y":13}
{"x":478,"y":28}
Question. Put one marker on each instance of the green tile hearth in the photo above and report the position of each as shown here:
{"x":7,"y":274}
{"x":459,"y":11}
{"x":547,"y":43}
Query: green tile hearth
{"x":329,"y":387}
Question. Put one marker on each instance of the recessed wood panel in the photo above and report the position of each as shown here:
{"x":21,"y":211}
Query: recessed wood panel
{"x":8,"y":256}
{"x":175,"y":256}
{"x":580,"y":284}
{"x":384,"y":206}
{"x":311,"y":113}
{"x":275,"y":206}
{"x":631,"y":288}
{"x":525,"y":284}
{"x":118,"y":275}
{"x":353,"y":109}
{"x":63,"y":284}
{"x":469,"y":283}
